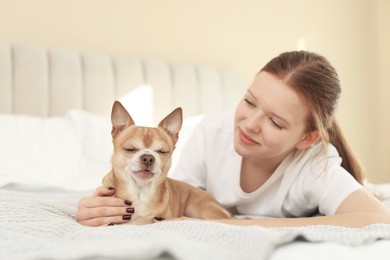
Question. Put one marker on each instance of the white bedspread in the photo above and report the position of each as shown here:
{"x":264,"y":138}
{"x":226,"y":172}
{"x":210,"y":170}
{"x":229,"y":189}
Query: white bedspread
{"x":41,"y":225}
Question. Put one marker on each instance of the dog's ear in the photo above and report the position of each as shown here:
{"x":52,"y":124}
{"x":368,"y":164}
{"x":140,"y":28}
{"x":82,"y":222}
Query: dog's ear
{"x":172,"y":123}
{"x":120,"y":119}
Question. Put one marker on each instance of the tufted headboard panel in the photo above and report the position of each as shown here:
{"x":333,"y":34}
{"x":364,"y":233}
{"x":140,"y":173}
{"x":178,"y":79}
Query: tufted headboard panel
{"x":47,"y":82}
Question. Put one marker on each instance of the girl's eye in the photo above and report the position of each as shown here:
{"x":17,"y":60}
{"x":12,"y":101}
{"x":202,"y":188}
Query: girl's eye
{"x":276,"y":124}
{"x":250,"y":103}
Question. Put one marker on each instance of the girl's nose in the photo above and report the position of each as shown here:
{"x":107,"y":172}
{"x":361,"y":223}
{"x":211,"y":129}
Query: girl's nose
{"x":253,"y":122}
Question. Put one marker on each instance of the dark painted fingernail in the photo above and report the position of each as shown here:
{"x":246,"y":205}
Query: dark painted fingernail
{"x":159,"y":218}
{"x":128,"y":202}
{"x":126,"y":217}
{"x":111,"y":188}
{"x":130,"y":210}
{"x":111,"y":224}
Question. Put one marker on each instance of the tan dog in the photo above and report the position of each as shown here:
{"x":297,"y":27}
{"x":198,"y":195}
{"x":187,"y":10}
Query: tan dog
{"x":141,"y":160}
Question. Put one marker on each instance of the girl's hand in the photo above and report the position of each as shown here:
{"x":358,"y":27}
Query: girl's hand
{"x":101,"y":209}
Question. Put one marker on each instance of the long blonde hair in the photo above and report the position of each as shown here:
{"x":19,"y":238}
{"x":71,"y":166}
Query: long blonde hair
{"x":313,"y":76}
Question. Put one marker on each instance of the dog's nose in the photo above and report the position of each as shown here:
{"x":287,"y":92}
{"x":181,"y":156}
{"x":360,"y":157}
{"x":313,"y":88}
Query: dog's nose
{"x":147,"y":159}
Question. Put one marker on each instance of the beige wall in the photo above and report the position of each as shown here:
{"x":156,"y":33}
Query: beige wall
{"x":382,"y":89}
{"x":241,"y":34}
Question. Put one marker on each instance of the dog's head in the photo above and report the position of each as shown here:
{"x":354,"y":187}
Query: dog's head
{"x":143,"y":154}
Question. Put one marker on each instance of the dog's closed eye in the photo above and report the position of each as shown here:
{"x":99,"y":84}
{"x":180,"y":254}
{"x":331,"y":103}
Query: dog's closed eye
{"x":130,"y":150}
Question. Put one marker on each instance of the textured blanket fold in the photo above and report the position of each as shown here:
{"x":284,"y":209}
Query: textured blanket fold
{"x":42,"y":226}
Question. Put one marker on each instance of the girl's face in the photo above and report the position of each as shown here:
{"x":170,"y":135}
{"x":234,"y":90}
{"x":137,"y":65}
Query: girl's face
{"x":270,"y":120}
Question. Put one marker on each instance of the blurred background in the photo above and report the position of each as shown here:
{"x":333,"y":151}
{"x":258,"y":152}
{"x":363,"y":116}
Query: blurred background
{"x":239,"y":34}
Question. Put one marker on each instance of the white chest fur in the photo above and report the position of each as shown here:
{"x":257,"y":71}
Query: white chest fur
{"x":141,"y":201}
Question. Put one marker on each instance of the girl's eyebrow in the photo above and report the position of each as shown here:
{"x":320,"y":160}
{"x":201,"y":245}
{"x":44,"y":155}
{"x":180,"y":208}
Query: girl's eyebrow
{"x":250,"y":93}
{"x":284,"y":121}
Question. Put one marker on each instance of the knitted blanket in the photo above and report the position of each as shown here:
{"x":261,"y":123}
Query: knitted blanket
{"x":41,"y":225}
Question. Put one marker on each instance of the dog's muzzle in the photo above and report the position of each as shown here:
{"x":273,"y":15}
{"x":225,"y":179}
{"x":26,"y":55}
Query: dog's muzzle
{"x":146,"y":167}
{"x":147,"y":160}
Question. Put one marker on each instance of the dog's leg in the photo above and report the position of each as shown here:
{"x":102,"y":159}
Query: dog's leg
{"x":207,"y":210}
{"x":203,"y":206}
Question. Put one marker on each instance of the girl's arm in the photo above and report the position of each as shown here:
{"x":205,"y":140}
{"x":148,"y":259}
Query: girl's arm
{"x":357,"y":210}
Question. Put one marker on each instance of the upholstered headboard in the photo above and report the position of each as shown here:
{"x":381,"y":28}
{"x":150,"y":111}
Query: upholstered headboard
{"x":45,"y":82}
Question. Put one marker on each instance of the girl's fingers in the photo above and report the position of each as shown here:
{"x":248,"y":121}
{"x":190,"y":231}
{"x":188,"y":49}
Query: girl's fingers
{"x":105,"y":212}
{"x":96,"y":222}
{"x":92,"y":202}
{"x":86,"y":214}
{"x":102,"y":209}
{"x":103,"y":191}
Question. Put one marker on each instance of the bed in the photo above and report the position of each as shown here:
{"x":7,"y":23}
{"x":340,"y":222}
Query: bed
{"x":55,"y":147}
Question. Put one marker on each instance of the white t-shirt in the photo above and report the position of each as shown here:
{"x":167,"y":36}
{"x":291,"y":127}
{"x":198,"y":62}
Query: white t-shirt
{"x":307,"y":182}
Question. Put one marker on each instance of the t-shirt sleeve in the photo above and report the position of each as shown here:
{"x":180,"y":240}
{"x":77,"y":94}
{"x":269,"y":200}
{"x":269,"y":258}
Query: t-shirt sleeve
{"x":190,"y":167}
{"x":330,"y":185}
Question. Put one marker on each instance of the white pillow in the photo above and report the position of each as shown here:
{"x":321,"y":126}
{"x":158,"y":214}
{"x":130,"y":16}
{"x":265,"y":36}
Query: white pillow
{"x":71,"y":152}
{"x":94,"y":136}
{"x":188,"y":126}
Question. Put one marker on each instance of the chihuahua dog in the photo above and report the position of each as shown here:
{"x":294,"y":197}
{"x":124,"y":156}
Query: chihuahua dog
{"x":140,"y":163}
